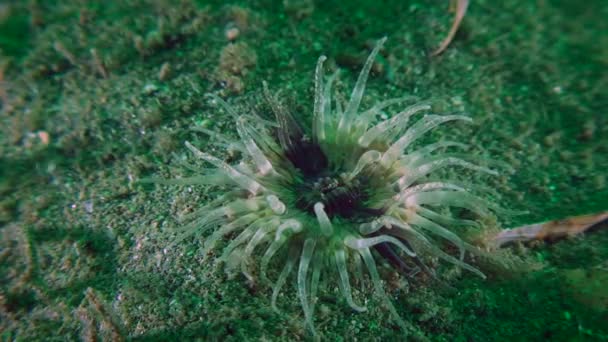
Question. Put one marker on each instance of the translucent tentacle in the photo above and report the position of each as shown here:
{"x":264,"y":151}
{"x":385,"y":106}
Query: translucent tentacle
{"x":451,"y":198}
{"x":407,"y":232}
{"x":423,"y":125}
{"x":239,"y":240}
{"x":443,"y":219}
{"x":436,"y":229}
{"x":307,"y":254}
{"x":355,"y":98}
{"x":327,"y":103}
{"x":293,"y":251}
{"x":226,"y":229}
{"x":200,"y":225}
{"x":373,"y":273}
{"x":324,"y":222}
{"x":339,"y":106}
{"x":259,"y":236}
{"x":224,"y":105}
{"x":239,"y":178}
{"x":370,"y":227}
{"x":384,"y":128}
{"x":414,"y":158}
{"x":289,"y":131}
{"x":266,"y":143}
{"x":275,"y":204}
{"x":226,"y":142}
{"x":358,"y":268}
{"x":368,"y":115}
{"x":362,"y":243}
{"x":366,"y":158}
{"x":261,"y":162}
{"x":318,"y":117}
{"x":432,"y":166}
{"x":279,"y":241}
{"x":189,"y":166}
{"x":412,"y":190}
{"x":340,"y":257}
{"x":290,"y":224}
{"x":317,"y":267}
{"x":233,"y":195}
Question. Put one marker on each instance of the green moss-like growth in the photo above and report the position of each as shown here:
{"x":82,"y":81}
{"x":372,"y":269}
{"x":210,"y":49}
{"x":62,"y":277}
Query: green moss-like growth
{"x":95,"y":95}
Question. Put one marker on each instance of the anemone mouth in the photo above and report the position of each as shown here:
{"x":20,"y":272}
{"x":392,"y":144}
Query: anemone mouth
{"x":326,"y":205}
{"x":319,"y":183}
{"x":340,"y":197}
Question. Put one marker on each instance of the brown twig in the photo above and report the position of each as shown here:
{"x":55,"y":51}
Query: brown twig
{"x":550,"y":230}
{"x":461,"y":10}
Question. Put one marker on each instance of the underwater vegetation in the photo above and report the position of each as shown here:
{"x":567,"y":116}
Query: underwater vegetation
{"x":99,"y":94}
{"x":328,"y":202}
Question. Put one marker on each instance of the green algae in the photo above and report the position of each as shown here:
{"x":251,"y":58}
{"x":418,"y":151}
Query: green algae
{"x":72,"y":217}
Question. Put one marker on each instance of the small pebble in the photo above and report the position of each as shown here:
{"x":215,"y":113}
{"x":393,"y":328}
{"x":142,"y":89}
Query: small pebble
{"x":165,"y":71}
{"x":232,"y":33}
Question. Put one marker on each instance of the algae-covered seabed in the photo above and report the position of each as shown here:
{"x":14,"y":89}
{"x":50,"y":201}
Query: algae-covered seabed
{"x":96,"y":96}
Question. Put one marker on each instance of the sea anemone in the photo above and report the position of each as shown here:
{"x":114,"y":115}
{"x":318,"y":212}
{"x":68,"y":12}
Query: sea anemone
{"x":329,"y":202}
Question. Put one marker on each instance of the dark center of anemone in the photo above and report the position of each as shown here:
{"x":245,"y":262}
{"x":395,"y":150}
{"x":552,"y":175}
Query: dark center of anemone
{"x":320,"y":182}
{"x":340,"y":196}
{"x":307,"y":157}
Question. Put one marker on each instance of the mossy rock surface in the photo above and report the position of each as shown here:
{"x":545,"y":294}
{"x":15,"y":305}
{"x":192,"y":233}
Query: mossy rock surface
{"x":97,"y":95}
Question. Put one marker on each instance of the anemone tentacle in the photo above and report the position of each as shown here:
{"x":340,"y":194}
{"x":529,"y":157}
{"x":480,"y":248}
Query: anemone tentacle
{"x":328,"y":206}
